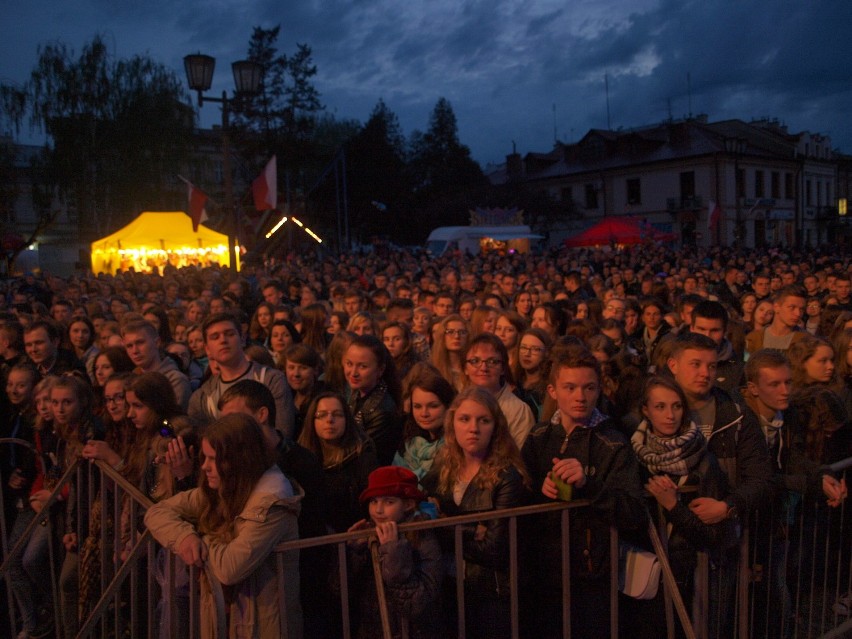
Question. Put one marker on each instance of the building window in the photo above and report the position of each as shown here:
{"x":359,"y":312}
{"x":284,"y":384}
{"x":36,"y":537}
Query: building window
{"x":591,"y":196}
{"x":634,"y":191}
{"x":759,"y":190}
{"x":566,"y":194}
{"x":776,"y":184}
{"x":740,"y":183}
{"x":788,"y":186}
{"x":687,"y":185}
{"x":819,"y":193}
{"x":809,"y":200}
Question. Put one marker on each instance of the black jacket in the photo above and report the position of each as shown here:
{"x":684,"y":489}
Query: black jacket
{"x":344,"y":483}
{"x":740,"y":447}
{"x":380,"y":419}
{"x":412,"y":572}
{"x":612,"y":486}
{"x":486,"y":559}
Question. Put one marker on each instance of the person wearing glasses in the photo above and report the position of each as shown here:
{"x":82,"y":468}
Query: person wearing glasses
{"x":486,"y":366}
{"x":447,"y":350}
{"x":348,"y":456}
{"x":530,"y":370}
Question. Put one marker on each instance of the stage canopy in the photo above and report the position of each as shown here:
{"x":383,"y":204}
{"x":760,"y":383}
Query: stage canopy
{"x":155,"y":239}
{"x":613,"y":230}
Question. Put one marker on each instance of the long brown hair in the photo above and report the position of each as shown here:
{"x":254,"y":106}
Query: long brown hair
{"x":335,"y":378}
{"x":242,"y":457}
{"x":314,"y":319}
{"x":441,"y":358}
{"x":503,"y":453}
{"x":154,"y":391}
{"x":75,"y":433}
{"x":352,"y":441}
{"x":256,"y":331}
{"x":800,"y":352}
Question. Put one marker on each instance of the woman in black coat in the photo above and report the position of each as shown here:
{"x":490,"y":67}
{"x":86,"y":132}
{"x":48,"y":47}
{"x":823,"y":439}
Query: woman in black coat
{"x":677,"y":467}
{"x":480,"y":469}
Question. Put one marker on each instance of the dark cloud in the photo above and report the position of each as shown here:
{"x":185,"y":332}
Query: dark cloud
{"x":503,"y":64}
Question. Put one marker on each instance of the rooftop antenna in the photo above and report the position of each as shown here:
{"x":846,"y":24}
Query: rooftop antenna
{"x":606,"y":85}
{"x":689,"y":91}
{"x":671,"y":118}
{"x":555,"y":137}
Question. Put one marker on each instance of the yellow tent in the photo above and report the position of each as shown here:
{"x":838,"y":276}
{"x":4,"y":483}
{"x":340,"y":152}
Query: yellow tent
{"x":157,"y":239}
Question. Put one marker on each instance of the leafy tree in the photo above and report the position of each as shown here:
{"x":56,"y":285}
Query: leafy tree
{"x":283,"y":118}
{"x":379,"y":189}
{"x":118,"y":130}
{"x":441,"y":170}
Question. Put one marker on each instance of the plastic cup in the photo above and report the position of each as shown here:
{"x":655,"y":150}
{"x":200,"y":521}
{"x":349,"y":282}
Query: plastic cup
{"x":564,"y":491}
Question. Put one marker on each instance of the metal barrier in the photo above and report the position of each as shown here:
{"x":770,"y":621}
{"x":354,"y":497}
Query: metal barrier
{"x":123,"y":601}
{"x":814,"y":558}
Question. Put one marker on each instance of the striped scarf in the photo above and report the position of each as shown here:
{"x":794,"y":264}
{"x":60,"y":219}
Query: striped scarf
{"x":673,"y":455}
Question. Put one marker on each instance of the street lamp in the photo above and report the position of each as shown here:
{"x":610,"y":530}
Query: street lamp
{"x":247,"y":75}
{"x":736,"y":147}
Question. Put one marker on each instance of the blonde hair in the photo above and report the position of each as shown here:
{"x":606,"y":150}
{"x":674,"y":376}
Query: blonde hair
{"x":502,"y":454}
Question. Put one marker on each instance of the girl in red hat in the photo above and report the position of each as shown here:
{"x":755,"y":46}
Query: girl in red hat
{"x":411,"y":563}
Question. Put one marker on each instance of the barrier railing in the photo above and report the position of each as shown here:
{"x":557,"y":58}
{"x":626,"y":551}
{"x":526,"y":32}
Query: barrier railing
{"x":811,"y":551}
{"x":122,"y":596}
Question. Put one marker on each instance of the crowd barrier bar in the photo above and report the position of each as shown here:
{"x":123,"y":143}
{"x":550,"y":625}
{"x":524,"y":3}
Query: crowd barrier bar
{"x":115,"y":573}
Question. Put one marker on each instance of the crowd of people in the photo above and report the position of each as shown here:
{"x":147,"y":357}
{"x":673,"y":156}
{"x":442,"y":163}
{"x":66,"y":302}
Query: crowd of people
{"x":315,"y":395}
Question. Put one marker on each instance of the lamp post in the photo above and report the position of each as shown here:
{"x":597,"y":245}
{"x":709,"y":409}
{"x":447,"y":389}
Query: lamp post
{"x":736,"y":147}
{"x":247,"y":75}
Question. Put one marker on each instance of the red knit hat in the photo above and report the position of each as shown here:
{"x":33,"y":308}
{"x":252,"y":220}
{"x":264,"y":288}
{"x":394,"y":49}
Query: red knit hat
{"x":392,"y":481}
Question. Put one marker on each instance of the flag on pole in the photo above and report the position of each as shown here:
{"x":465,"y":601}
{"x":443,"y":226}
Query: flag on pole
{"x":197,"y":201}
{"x":265,"y":187}
{"x":714,"y":216}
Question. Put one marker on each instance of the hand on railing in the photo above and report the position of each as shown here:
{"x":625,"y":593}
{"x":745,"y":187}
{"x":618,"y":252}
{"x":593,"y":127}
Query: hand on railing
{"x":17,"y":481}
{"x":387,"y":531}
{"x":834,"y":490}
{"x":96,"y":449}
{"x":361,"y":524}
{"x":69,"y":540}
{"x":192,"y":550}
{"x":39,"y":499}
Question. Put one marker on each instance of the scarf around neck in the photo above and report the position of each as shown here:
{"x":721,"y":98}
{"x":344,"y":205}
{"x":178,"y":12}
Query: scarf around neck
{"x":674,"y":455}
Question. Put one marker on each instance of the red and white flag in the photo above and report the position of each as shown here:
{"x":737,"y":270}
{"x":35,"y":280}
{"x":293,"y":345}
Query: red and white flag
{"x":197,"y":200}
{"x":265,"y":187}
{"x":714,"y":216}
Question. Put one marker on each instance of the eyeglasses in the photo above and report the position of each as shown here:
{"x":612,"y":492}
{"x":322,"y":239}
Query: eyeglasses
{"x":491,"y":362}
{"x":325,"y":414}
{"x":452,"y":332}
{"x":114,"y":399}
{"x":531,"y":349}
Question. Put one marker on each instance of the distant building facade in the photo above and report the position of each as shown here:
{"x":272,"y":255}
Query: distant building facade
{"x":771,"y":187}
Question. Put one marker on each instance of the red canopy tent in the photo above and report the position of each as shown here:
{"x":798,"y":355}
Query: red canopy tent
{"x":614,"y":230}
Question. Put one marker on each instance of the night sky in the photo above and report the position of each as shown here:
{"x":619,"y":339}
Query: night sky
{"x":513,"y":70}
